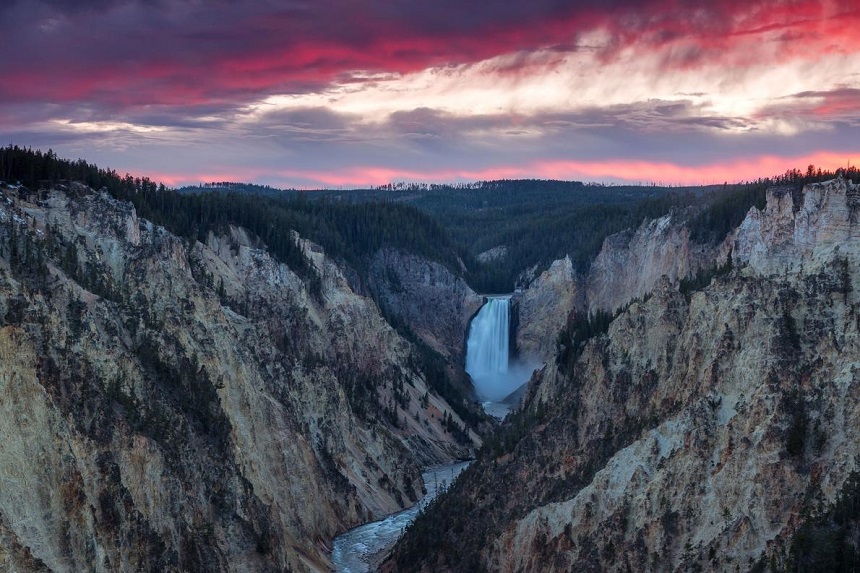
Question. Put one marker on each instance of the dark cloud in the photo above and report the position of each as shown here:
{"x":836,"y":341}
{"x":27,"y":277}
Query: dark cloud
{"x":126,"y":53}
{"x":841,"y":104}
{"x":191,"y":67}
{"x":308,"y":126}
{"x":60,"y":7}
{"x":842,"y":93}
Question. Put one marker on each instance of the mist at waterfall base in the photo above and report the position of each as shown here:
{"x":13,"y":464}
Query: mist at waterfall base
{"x":488,"y":362}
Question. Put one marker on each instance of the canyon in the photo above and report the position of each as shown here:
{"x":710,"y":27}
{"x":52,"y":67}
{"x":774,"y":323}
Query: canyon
{"x":699,"y":432}
{"x":179,"y":404}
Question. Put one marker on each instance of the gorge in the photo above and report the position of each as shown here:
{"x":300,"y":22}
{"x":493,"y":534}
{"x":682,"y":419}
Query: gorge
{"x":488,"y":363}
{"x":702,"y":429}
{"x":362,"y":549}
{"x":397,"y":286}
{"x":186,"y":393}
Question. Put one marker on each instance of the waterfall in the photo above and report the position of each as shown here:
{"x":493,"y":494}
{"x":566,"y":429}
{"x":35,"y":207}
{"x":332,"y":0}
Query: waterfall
{"x":487,"y":352}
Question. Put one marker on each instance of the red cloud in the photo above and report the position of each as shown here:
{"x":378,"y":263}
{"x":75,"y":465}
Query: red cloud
{"x":176,"y":53}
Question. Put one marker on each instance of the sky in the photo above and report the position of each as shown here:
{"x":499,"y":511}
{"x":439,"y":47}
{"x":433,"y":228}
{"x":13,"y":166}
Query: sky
{"x":343,"y":93}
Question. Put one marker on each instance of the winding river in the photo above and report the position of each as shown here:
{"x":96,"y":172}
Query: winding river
{"x":360,"y":550}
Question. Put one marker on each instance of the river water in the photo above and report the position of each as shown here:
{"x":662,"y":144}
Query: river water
{"x":359,"y":550}
{"x":494,"y":376}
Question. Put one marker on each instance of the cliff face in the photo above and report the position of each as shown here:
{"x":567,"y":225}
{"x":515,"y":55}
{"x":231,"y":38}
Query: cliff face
{"x":784,"y":238}
{"x":629,"y":266}
{"x":169,"y":405}
{"x":543,"y":308}
{"x":698,"y":433}
{"x":426,"y":296}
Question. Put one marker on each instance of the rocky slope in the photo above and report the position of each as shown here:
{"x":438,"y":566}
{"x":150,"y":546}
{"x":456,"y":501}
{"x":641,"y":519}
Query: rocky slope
{"x":698,"y":434}
{"x":631,"y":263}
{"x":178,"y":406}
{"x":543,"y":308}
{"x":629,"y":266}
{"x":425,"y":295}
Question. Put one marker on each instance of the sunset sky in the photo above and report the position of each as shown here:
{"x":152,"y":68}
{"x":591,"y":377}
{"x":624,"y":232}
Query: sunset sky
{"x":347,"y":93}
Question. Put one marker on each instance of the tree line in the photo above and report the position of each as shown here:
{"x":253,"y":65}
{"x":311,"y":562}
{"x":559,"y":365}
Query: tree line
{"x":538,"y":221}
{"x":350,"y":233}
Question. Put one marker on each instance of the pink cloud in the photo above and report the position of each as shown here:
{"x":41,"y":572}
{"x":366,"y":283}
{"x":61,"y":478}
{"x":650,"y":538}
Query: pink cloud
{"x":135,"y":56}
{"x":611,"y":170}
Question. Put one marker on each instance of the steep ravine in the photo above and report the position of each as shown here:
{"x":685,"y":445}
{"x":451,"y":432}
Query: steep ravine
{"x":172,"y":405}
{"x":363,"y":549}
{"x":698,"y":434}
{"x":495,"y":374}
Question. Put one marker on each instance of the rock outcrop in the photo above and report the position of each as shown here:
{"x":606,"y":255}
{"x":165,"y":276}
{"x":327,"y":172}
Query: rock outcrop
{"x":785,"y":238}
{"x":427,"y":297}
{"x":631,"y":263}
{"x":169,"y":405}
{"x":699,"y":433}
{"x":629,"y":266}
{"x":544,"y":307}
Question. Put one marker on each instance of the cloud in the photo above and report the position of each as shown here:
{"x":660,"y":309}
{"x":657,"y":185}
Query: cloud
{"x":134,"y":52}
{"x":836,"y":103}
{"x":300,"y":92}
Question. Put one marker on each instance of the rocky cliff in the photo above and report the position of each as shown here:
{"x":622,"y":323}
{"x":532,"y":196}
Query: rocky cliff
{"x":425,"y":295}
{"x":700,"y":433}
{"x":631,"y":263}
{"x":170,"y":405}
{"x":544,"y":307}
{"x":628,"y":266}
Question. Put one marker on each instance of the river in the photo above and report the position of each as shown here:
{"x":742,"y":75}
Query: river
{"x":360,"y":550}
{"x":494,"y":376}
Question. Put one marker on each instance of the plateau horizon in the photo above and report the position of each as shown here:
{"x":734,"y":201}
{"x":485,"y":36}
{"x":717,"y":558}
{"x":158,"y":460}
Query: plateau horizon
{"x":602,"y":174}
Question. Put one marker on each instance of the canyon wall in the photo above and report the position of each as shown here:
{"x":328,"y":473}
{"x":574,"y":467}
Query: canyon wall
{"x":429,"y":298}
{"x":701,"y":432}
{"x":173,"y":405}
{"x":628,"y":266}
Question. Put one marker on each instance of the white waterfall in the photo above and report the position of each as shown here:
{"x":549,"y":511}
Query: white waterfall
{"x":488,"y":352}
{"x":487,"y":347}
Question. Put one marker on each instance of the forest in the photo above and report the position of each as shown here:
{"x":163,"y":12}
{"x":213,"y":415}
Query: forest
{"x":537,"y":221}
{"x":350,"y":233}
